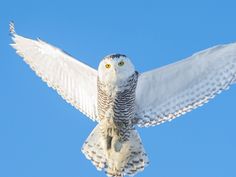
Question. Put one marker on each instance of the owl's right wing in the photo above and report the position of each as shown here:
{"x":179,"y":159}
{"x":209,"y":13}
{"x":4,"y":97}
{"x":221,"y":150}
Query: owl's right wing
{"x":173,"y":90}
{"x":73,"y":80}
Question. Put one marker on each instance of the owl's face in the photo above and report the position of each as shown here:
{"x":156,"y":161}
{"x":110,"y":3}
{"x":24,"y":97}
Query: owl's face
{"x":115,"y":69}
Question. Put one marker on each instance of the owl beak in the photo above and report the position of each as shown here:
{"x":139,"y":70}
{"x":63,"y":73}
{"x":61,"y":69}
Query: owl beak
{"x":115,"y":70}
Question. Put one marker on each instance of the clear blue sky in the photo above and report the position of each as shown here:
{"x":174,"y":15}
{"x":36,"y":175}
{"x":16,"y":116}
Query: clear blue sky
{"x":41,"y":135}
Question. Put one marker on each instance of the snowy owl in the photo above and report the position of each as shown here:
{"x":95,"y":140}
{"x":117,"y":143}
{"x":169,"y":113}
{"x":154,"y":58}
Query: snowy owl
{"x":119,"y":98}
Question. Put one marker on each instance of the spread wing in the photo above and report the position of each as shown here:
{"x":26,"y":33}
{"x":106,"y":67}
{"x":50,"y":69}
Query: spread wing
{"x":171,"y":91}
{"x":73,"y":80}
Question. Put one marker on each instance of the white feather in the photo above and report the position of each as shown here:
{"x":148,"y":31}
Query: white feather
{"x":72,"y":79}
{"x":171,"y":91}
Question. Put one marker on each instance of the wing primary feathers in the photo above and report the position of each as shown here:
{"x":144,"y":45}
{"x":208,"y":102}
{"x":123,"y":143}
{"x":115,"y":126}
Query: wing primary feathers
{"x":73,"y":80}
{"x":12,"y":28}
{"x":173,"y":90}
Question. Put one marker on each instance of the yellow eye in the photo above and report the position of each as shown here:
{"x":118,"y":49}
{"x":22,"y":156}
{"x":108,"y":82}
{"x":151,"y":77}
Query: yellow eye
{"x":107,"y":66}
{"x":121,"y":63}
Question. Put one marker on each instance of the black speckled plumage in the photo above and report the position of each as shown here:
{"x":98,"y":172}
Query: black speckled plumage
{"x":122,"y":104}
{"x":112,"y":56}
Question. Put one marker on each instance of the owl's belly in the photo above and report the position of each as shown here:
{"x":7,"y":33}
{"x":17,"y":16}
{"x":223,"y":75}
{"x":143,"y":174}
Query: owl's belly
{"x":113,"y":135}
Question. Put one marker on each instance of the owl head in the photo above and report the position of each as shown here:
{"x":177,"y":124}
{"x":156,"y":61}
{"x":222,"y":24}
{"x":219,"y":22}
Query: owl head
{"x":115,"y":69}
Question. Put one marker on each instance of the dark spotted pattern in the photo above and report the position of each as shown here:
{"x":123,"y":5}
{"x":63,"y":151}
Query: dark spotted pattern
{"x":122,"y":105}
{"x":112,"y":56}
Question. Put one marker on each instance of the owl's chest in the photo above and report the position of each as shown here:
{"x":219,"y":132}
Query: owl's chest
{"x":116,"y":106}
{"x":117,"y":102}
{"x":107,"y":102}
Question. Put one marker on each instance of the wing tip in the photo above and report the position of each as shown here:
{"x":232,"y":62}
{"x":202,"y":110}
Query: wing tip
{"x":12,"y":28}
{"x":12,"y":33}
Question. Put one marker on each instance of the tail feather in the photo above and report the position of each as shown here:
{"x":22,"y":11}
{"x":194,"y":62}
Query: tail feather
{"x":130,"y":160}
{"x":138,"y":159}
{"x":94,"y":149}
{"x":113,"y":174}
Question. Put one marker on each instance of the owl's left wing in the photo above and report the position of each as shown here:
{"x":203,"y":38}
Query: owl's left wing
{"x":75,"y":81}
{"x":173,"y":90}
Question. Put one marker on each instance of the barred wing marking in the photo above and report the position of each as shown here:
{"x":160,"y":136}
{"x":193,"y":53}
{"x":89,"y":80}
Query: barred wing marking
{"x":73,"y":80}
{"x":173,"y":90}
